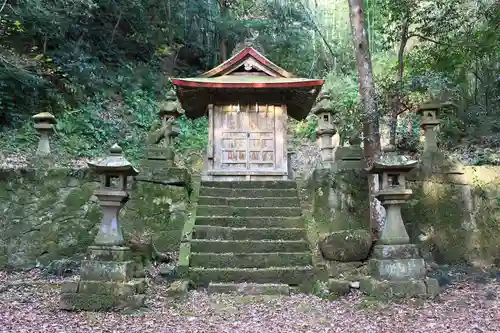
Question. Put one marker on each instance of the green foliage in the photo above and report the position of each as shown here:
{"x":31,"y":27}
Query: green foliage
{"x":345,"y":103}
{"x":101,"y":66}
{"x":193,"y":136}
{"x":305,"y":129}
{"x":408,"y":132}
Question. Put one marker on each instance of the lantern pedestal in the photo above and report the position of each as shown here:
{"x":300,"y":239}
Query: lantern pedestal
{"x":107,"y":279}
{"x":396,"y":268}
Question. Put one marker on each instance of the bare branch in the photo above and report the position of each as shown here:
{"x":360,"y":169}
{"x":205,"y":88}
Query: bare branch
{"x":116,"y":26}
{"x":3,"y":5}
{"x":429,"y":39}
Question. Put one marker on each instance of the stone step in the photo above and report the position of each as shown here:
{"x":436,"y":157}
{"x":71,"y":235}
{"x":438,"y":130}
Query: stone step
{"x":215,"y":232}
{"x":247,"y":192}
{"x":248,"y":246}
{"x":250,"y":202}
{"x":206,"y":210}
{"x":249,"y":289}
{"x":251,"y":222}
{"x":269,"y":184}
{"x":250,"y":260}
{"x":285,"y":275}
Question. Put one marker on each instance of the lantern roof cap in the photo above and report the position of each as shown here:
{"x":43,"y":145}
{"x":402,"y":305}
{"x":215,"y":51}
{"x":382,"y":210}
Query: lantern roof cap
{"x":114,"y":163}
{"x":389,"y":161}
{"x":323,"y":103}
{"x":44,"y":116}
{"x":433,"y":106}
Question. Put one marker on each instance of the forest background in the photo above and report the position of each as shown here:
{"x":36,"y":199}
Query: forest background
{"x":102,"y":67}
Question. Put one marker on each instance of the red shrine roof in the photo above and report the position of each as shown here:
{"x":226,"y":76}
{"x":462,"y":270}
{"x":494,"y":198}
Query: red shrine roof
{"x":248,"y":73}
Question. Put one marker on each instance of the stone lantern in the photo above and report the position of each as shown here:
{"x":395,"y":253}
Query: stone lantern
{"x":107,"y":275}
{"x":393,"y":193}
{"x":44,"y":124}
{"x":326,"y":129}
{"x":396,"y":267}
{"x":114,"y":171}
{"x":429,"y":119}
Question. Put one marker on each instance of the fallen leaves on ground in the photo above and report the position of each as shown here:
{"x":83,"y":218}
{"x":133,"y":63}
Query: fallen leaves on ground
{"x":29,"y":303}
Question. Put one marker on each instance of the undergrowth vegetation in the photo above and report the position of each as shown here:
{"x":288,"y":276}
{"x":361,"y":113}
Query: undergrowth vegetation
{"x":103,"y":66}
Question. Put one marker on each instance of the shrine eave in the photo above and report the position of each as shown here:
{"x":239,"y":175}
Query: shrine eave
{"x":242,"y":84}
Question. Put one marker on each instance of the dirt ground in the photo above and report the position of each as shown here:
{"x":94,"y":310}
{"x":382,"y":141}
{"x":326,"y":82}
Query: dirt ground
{"x":29,"y":303}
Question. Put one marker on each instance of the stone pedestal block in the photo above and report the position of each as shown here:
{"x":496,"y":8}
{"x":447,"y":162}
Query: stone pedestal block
{"x":398,"y":271}
{"x":106,"y":282}
{"x":158,"y":171}
{"x":349,"y":158}
{"x":392,"y":289}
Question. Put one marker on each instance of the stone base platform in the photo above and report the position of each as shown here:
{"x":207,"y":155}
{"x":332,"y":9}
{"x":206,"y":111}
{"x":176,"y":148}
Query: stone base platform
{"x":383,"y":289}
{"x":106,"y":282}
{"x":398,"y":271}
{"x":102,"y":295}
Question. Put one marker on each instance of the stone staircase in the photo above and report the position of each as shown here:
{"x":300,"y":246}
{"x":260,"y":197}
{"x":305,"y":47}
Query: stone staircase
{"x":249,"y":238}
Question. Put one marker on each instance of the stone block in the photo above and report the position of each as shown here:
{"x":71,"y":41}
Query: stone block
{"x":128,"y":288}
{"x":131,"y":302}
{"x":107,"y":270}
{"x":346,"y":245}
{"x":86,"y":302}
{"x":178,"y":288}
{"x":349,"y":165}
{"x":406,"y":251}
{"x":162,"y":174}
{"x":345,"y":270}
{"x":393,"y":289}
{"x":397,"y":269}
{"x":69,"y":287}
{"x":99,"y":302}
{"x":339,"y":287}
{"x":157,"y":154}
{"x":433,"y":288}
{"x":109,"y":253}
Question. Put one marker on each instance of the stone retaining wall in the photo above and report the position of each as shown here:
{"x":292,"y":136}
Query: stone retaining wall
{"x":52,"y":214}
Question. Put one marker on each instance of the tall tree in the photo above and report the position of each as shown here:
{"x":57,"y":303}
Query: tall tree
{"x":371,"y":131}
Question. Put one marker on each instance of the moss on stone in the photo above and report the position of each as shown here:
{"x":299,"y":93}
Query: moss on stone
{"x":158,"y":210}
{"x":346,"y":245}
{"x":51,"y":214}
{"x":453,"y":234}
{"x":340,"y":200}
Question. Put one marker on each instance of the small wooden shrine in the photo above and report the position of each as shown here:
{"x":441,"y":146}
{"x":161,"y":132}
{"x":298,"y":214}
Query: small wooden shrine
{"x":248,"y":99}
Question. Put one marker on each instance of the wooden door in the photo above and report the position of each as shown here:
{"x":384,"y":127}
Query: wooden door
{"x":248,"y":139}
{"x":231,"y":138}
{"x":261,"y":137}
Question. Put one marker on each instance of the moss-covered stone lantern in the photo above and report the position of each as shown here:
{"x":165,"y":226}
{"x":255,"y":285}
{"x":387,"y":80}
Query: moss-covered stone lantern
{"x":396,"y":268}
{"x":393,"y":193}
{"x":107,"y":275}
{"x":44,"y":124}
{"x":326,"y":129}
{"x":114,"y":171}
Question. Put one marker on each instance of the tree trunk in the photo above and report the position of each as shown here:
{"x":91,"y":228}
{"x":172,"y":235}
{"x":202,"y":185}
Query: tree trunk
{"x":371,"y":131}
{"x":222,"y":41}
{"x":396,"y":107}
